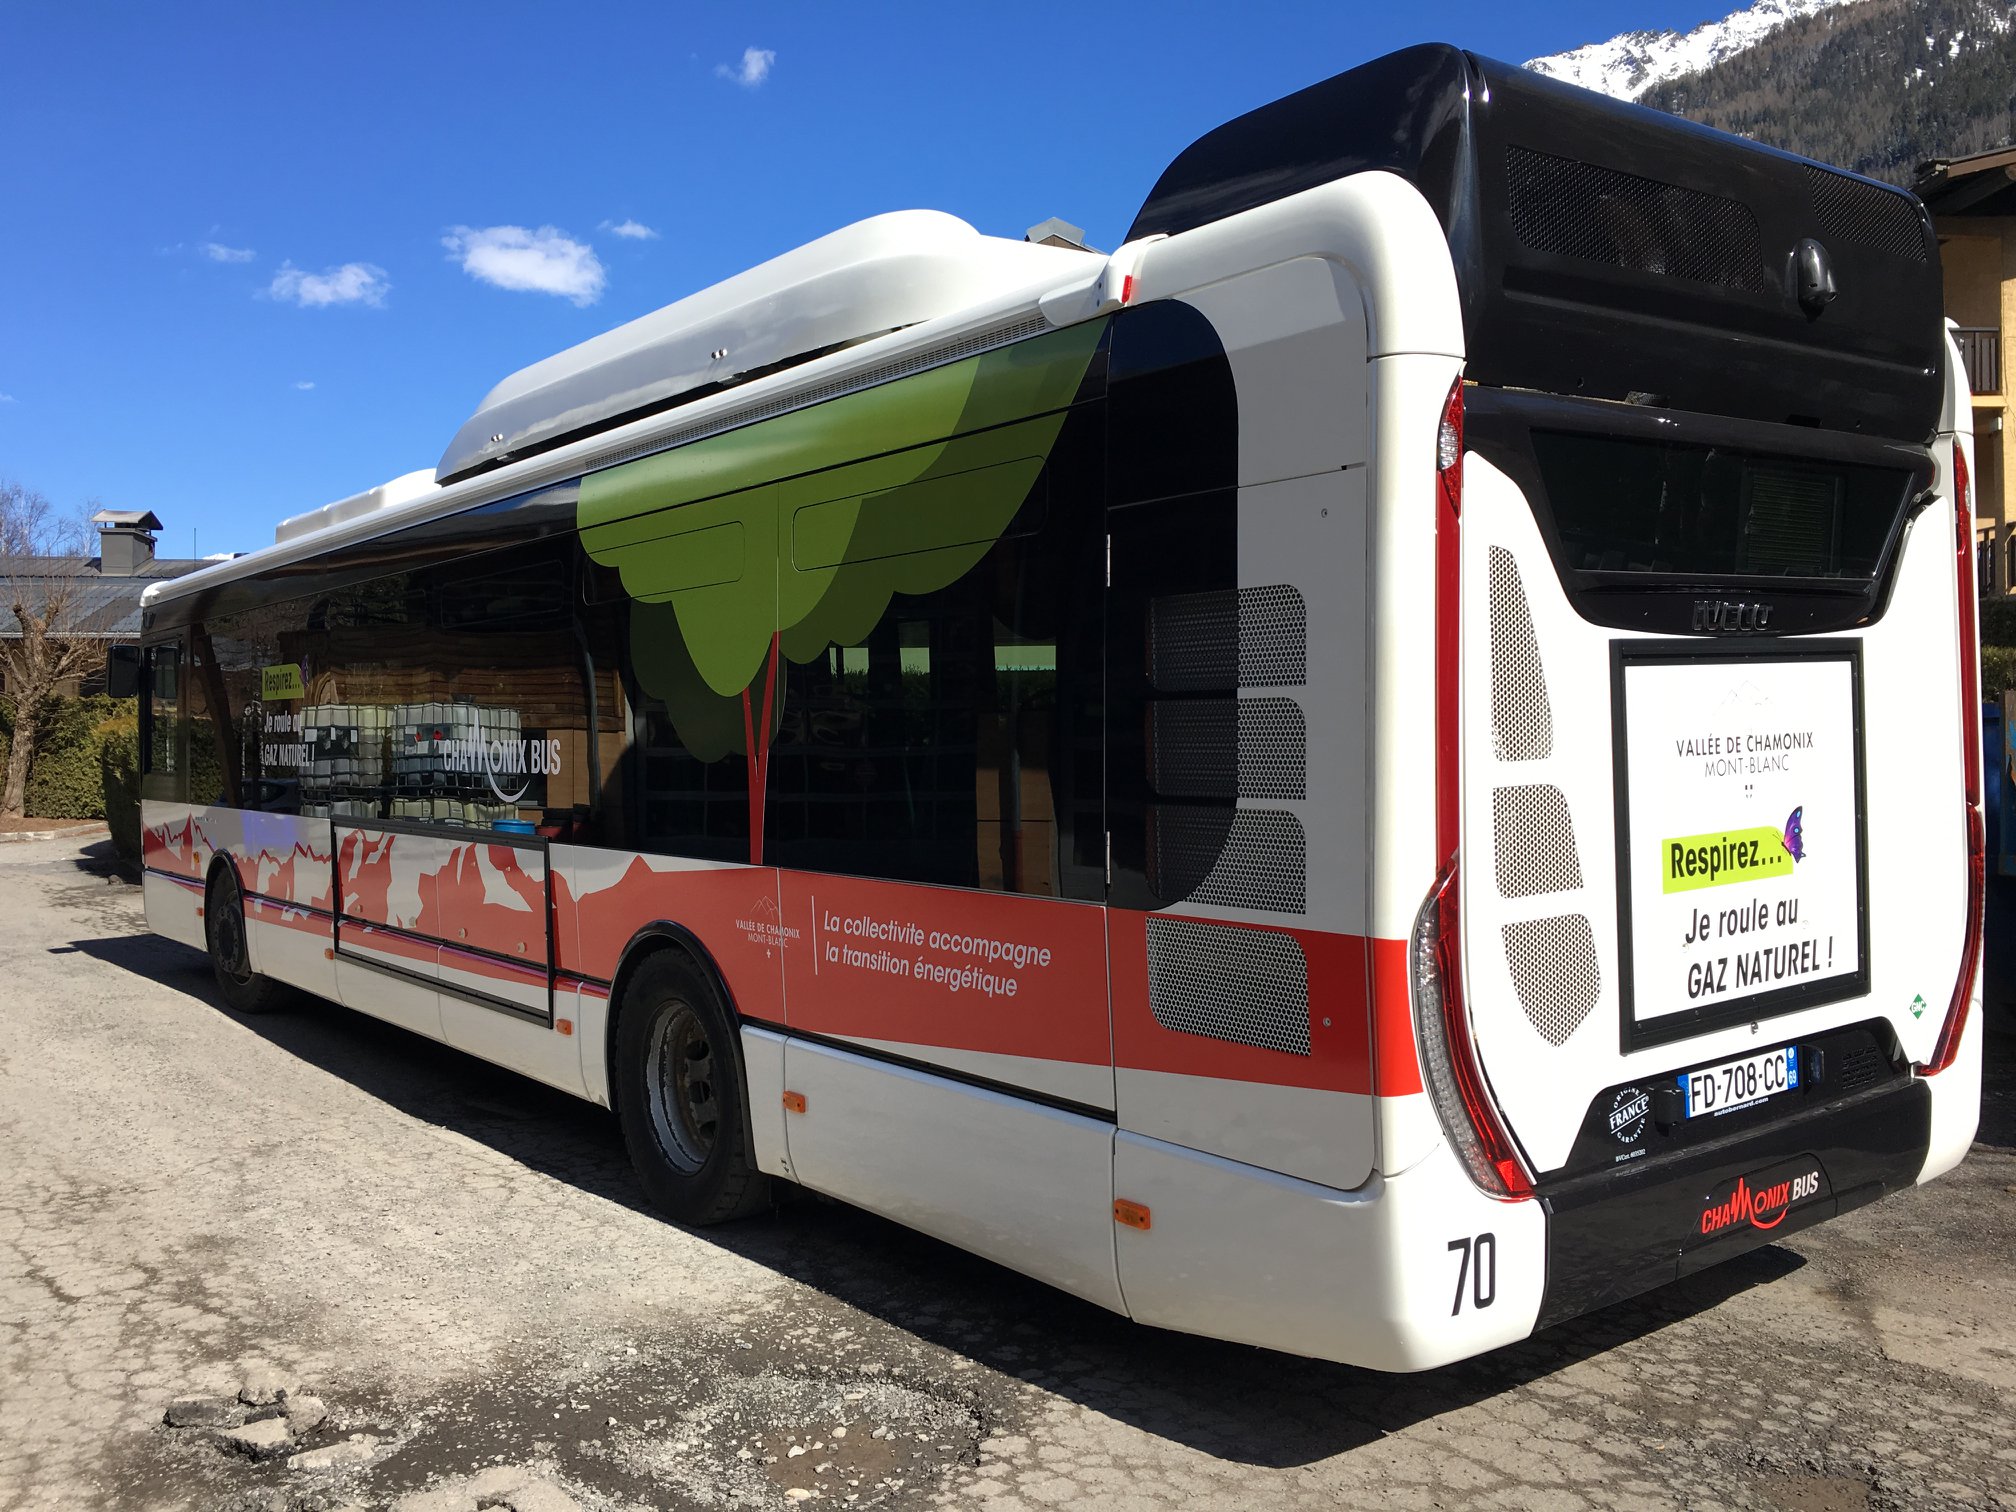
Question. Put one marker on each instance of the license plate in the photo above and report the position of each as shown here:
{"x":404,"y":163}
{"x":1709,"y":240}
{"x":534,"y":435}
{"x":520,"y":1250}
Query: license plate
{"x":1741,"y":1083}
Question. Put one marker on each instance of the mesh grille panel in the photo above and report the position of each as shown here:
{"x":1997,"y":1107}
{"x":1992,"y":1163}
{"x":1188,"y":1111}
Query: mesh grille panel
{"x":1535,"y":841}
{"x":1273,"y":749}
{"x":1215,"y":642}
{"x":1250,"y":986}
{"x":1193,"y":747}
{"x":1237,"y":858}
{"x":1861,"y":1067}
{"x":1851,"y":210}
{"x":1577,"y":209}
{"x":1228,"y":748}
{"x":1522,"y":724}
{"x":1553,"y":964}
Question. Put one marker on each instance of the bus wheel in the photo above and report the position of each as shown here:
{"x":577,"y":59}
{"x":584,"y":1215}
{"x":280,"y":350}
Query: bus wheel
{"x":243,"y":989}
{"x":679,"y":1095}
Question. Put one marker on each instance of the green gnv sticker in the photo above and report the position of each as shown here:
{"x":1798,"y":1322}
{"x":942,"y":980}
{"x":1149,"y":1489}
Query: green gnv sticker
{"x":1745,"y":855}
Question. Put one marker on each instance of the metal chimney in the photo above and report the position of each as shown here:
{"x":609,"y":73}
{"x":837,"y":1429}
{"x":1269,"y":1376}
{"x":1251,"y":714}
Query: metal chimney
{"x":125,"y":540}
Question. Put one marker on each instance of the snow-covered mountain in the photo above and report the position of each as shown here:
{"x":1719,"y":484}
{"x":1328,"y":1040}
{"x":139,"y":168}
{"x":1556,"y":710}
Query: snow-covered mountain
{"x":1633,"y":62}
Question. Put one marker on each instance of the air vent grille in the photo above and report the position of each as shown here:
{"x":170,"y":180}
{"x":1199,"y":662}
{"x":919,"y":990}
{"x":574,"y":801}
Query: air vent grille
{"x":1522,"y":724}
{"x":1228,"y":748}
{"x":1577,"y":209}
{"x":1861,"y":1067}
{"x":1850,"y":209}
{"x":1235,"y":858}
{"x":1554,"y":969}
{"x":1534,"y":838}
{"x":1215,"y":642}
{"x":1248,"y":986}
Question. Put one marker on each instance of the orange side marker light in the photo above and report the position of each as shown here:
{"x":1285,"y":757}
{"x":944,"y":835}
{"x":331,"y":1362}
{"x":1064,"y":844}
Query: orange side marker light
{"x":794,"y":1102}
{"x":565,"y":1026}
{"x":1132,"y":1215}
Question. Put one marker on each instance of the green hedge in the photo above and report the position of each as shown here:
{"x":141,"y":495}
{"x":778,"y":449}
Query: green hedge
{"x":119,"y":780}
{"x":64,"y":782}
{"x":1998,"y":671}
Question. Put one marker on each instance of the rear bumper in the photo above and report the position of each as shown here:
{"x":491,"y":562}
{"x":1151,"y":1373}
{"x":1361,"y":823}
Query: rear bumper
{"x":1612,"y":1234}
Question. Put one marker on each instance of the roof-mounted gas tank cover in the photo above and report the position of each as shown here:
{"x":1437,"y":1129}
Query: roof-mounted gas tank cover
{"x":1605,"y":250}
{"x":860,"y":282}
{"x":403,"y":489}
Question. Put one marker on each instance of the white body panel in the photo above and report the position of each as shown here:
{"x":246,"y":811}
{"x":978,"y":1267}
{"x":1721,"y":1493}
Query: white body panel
{"x":1366,"y":1276}
{"x":174,"y":908}
{"x":531,"y":1049}
{"x":1027,"y":1185}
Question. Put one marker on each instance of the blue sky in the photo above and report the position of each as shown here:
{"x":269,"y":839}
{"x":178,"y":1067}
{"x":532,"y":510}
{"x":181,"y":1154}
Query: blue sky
{"x":262,"y":256}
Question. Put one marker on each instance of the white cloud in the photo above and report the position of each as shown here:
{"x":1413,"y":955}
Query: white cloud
{"x":218,"y":252}
{"x":545,"y":261}
{"x":630,"y":230}
{"x":6,"y":398}
{"x":305,"y":384}
{"x":352,"y":283}
{"x":755,"y":67}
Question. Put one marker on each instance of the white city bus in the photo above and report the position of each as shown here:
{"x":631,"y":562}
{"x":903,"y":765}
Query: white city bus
{"x":1383,"y":766}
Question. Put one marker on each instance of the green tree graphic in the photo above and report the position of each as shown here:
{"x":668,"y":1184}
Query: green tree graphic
{"x":791,"y":535}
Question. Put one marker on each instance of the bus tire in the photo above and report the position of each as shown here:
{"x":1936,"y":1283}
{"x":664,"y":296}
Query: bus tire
{"x":242,"y":988}
{"x":680,"y":1095}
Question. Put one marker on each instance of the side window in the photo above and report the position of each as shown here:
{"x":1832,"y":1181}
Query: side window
{"x":164,"y":709}
{"x":955,"y":738}
{"x":456,"y":695}
{"x":863,"y":636}
{"x":254,"y":666}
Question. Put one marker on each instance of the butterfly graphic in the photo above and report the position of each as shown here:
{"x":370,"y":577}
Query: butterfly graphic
{"x":1795,"y":839}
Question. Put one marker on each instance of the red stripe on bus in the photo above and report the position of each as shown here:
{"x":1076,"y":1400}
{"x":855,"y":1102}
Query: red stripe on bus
{"x":1396,"y":1065}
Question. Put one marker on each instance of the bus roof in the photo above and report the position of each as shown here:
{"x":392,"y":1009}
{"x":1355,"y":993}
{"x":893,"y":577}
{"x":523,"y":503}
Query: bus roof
{"x":865,"y":280}
{"x":910,"y":288}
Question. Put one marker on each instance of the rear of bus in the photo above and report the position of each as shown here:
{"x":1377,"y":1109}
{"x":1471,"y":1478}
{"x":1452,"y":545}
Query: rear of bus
{"x":1675,"y":730}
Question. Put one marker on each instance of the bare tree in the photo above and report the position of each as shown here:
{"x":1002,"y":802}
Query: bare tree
{"x":42,"y":651}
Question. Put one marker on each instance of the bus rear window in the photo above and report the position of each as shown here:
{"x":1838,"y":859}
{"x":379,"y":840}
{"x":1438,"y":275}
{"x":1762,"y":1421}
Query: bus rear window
{"x":1637,"y":506}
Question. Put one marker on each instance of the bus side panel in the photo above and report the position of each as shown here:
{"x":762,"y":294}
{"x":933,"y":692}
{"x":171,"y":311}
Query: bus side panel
{"x":605,"y":901}
{"x":1000,"y":986}
{"x":1241,"y":1011}
{"x":288,"y":878}
{"x":1408,"y":392}
{"x":1405,"y":1273}
{"x":174,"y":852}
{"x":1023,"y":1184}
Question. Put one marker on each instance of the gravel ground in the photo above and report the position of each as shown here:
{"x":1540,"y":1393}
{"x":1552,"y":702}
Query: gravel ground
{"x":458,"y":1265}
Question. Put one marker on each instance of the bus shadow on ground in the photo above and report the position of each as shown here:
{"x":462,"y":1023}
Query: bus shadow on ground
{"x":1236,"y":1403}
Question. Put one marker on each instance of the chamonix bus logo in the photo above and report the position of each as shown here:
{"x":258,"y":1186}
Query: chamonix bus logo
{"x":1761,"y":1200}
{"x":504,"y":759}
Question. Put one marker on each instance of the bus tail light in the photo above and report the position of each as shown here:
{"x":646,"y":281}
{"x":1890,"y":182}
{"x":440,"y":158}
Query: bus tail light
{"x":1449,"y":1062}
{"x":1454,"y":1077}
{"x":1948,"y":1048}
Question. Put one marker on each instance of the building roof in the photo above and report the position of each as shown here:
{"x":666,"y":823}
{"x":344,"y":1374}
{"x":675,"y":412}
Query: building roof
{"x":101,"y":607}
{"x":1982,"y":183}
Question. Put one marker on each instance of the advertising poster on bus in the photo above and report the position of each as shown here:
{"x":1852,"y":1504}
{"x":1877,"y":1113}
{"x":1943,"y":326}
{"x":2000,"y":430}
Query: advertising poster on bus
{"x":1740,"y":837}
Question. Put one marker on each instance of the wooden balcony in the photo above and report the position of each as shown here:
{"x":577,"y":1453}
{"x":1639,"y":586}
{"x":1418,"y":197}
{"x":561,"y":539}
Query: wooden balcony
{"x":1981,"y":353}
